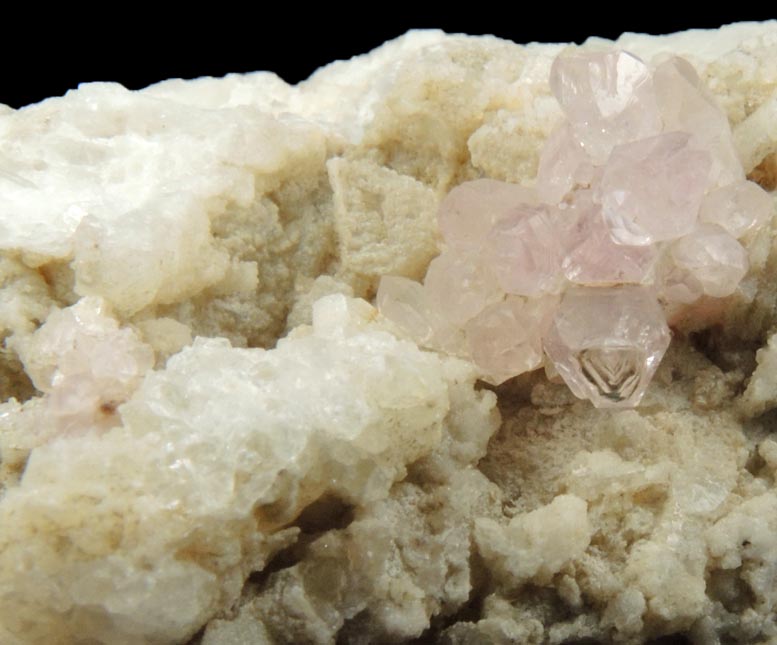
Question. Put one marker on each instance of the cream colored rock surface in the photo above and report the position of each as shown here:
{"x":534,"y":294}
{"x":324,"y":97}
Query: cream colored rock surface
{"x":341,"y":485}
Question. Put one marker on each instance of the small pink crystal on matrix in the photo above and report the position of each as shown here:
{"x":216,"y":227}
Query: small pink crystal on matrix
{"x":635,"y":215}
{"x":606,"y":343}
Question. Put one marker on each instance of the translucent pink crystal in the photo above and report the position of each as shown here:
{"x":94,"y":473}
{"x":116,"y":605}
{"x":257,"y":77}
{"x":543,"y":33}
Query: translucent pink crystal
{"x":739,"y":207}
{"x":471,"y":209}
{"x":676,"y":285}
{"x":408,"y":305}
{"x":651,"y":190}
{"x":459,"y":286}
{"x":87,"y":365}
{"x":524,"y":252}
{"x":713,"y":257}
{"x":563,"y":165}
{"x":593,"y":257}
{"x":607,"y":342}
{"x":685,"y":104}
{"x":505,"y":339}
{"x":607,"y":97}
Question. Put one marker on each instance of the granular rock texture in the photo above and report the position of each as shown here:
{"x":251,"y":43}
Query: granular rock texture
{"x":209,"y":434}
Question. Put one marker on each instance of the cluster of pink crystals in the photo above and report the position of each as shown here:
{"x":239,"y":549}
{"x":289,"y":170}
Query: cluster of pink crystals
{"x":638,"y":208}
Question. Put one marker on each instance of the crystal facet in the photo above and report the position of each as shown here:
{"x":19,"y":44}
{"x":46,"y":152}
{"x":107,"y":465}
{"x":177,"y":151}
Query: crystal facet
{"x":470,"y":210}
{"x":739,"y":207}
{"x":505,"y":339}
{"x":607,"y":342}
{"x":593,"y":257}
{"x":608,"y":98}
{"x":713,"y":257}
{"x":638,"y":199}
{"x":651,"y":190}
{"x":524,"y":252}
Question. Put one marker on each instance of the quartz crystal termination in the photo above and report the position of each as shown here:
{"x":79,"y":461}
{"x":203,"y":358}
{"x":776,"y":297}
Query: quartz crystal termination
{"x":639,"y":209}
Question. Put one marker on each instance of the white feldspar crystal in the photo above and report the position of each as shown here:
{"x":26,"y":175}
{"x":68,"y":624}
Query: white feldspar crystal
{"x":155,"y":523}
{"x":607,"y":342}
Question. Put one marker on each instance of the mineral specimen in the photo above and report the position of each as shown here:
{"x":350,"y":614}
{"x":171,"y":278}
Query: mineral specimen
{"x":209,"y":436}
{"x":635,"y":188}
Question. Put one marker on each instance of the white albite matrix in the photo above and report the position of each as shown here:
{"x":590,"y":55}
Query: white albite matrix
{"x":209,"y":435}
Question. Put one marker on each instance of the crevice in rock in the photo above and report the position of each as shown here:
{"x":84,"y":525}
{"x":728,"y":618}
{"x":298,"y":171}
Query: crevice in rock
{"x":765,"y":173}
{"x":327,"y":513}
{"x":14,"y":382}
{"x":672,"y":639}
{"x":723,"y":351}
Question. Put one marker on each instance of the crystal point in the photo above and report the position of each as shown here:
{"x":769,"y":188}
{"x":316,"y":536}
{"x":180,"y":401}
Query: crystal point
{"x":713,"y":257}
{"x":607,"y":342}
{"x":607,"y":97}
{"x":739,"y":207}
{"x":505,"y":339}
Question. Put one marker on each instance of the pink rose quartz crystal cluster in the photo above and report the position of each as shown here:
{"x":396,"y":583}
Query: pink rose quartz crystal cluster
{"x":638,"y":210}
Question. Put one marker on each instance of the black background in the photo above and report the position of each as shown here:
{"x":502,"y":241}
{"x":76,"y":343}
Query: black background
{"x":134,"y":47}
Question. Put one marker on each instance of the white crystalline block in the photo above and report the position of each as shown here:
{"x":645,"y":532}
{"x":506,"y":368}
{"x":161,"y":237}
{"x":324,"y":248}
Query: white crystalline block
{"x":157,"y":522}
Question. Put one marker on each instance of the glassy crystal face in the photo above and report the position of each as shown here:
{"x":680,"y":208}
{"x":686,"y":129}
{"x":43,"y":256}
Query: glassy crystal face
{"x":652,"y":189}
{"x":593,"y":257}
{"x":524,"y":252}
{"x":470,"y":210}
{"x":606,"y":343}
{"x":607,"y":97}
{"x":739,"y":207}
{"x":635,"y":214}
{"x":505,"y":339}
{"x":713,"y":257}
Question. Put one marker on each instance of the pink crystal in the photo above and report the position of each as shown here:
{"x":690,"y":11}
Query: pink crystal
{"x":524,"y":252}
{"x":459,"y":286}
{"x":713,"y":257}
{"x":505,"y":339}
{"x":593,"y":257}
{"x":471,"y":209}
{"x":685,"y":104}
{"x":676,"y":285}
{"x":607,"y":97}
{"x":408,"y":305}
{"x":651,"y":190}
{"x":739,"y":207}
{"x":563,"y":165}
{"x":606,"y":342}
